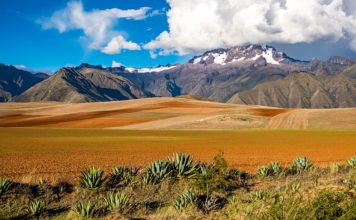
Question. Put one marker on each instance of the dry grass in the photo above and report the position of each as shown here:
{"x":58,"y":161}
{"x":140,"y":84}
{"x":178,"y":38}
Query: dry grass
{"x":54,"y":153}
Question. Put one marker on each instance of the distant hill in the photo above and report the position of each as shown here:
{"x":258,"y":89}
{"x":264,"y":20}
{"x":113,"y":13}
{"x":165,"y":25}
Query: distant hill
{"x":14,"y":81}
{"x":82,"y":84}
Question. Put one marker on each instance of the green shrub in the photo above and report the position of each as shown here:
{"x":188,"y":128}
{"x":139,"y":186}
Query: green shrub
{"x":116,"y":201}
{"x":92,"y":178}
{"x":352,"y":162}
{"x":184,"y":200}
{"x":35,"y":208}
{"x":301,"y":164}
{"x":215,"y":177}
{"x":157,"y":171}
{"x":84,"y":209}
{"x":183,"y":165}
{"x":5,"y":185}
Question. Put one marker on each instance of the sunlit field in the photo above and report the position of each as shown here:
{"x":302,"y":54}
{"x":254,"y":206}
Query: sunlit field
{"x":29,"y":153}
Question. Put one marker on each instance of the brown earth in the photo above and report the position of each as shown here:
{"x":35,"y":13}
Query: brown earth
{"x":170,"y":113}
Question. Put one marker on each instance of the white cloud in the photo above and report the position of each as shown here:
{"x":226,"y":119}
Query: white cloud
{"x":97,"y":25}
{"x":116,"y":64}
{"x":197,"y":25}
{"x":119,"y":43}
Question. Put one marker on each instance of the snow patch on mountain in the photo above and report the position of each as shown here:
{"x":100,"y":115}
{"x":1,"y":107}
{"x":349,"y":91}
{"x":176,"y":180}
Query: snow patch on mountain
{"x":149,"y":70}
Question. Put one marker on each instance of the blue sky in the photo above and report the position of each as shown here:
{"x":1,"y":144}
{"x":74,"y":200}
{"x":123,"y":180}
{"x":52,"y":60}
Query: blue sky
{"x":32,"y":34}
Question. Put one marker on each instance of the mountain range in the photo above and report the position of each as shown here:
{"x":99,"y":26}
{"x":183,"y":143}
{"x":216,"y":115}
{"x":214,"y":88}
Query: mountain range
{"x":251,"y":74}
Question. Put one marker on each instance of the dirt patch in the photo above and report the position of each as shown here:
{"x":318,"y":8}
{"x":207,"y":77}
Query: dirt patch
{"x":267,"y":112}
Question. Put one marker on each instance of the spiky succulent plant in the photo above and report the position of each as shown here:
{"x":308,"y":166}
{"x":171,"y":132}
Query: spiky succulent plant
{"x":302,"y":163}
{"x":157,"y":171}
{"x":352,"y":162}
{"x":5,"y":185}
{"x":183,"y":165}
{"x":92,"y":178}
{"x":263,"y":171}
{"x":35,"y":208}
{"x":116,"y":201}
{"x":184,"y":200}
{"x":84,"y":209}
{"x":275,"y":168}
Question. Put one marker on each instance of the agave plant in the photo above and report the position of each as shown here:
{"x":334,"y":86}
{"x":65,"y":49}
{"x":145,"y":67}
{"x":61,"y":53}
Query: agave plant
{"x":275,"y":168}
{"x":116,"y":201}
{"x":92,"y":178}
{"x":84,"y":209}
{"x":263,"y":171}
{"x":5,"y":185}
{"x":352,"y":162}
{"x":184,"y":165}
{"x":302,"y":163}
{"x":185,"y":199}
{"x":35,"y":208}
{"x":158,"y":171}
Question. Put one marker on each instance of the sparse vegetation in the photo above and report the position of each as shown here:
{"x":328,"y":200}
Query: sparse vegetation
{"x":212,"y":191}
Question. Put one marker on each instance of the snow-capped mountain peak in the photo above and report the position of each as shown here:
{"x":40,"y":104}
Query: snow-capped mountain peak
{"x":249,"y":53}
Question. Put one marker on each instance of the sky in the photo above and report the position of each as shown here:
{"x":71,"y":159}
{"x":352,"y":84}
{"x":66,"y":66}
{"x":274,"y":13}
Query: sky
{"x":47,"y":35}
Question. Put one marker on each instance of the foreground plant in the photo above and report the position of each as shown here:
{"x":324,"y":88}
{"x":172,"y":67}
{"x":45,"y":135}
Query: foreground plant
{"x":5,"y":185}
{"x":184,"y":200}
{"x":272,"y":169}
{"x":84,"y":209}
{"x":352,"y":162}
{"x":35,"y":208}
{"x":157,"y":171}
{"x":302,"y":163}
{"x":116,"y":201}
{"x":92,"y":178}
{"x":184,"y":165}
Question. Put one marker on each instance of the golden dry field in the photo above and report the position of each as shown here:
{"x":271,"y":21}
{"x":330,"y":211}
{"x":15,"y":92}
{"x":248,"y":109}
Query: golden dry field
{"x":29,"y":153}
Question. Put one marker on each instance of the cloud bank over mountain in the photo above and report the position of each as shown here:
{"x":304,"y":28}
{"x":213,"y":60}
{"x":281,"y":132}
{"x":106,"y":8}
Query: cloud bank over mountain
{"x":197,"y":25}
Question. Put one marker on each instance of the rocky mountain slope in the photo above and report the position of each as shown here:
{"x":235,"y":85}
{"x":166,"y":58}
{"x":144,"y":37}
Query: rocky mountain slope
{"x":14,"y":81}
{"x":251,"y":74}
{"x":82,"y":84}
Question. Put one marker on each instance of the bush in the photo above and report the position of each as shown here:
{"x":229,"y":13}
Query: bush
{"x":84,"y":209}
{"x":157,"y":171}
{"x":5,"y":185}
{"x":184,"y":200}
{"x":116,"y":201}
{"x":35,"y":208}
{"x":352,"y":162}
{"x":214,"y":178}
{"x":301,"y":164}
{"x":183,"y":165}
{"x":92,"y":178}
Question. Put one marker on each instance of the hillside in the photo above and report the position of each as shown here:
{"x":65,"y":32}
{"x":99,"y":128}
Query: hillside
{"x":82,"y":85}
{"x":14,"y":81}
{"x":302,"y":90}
